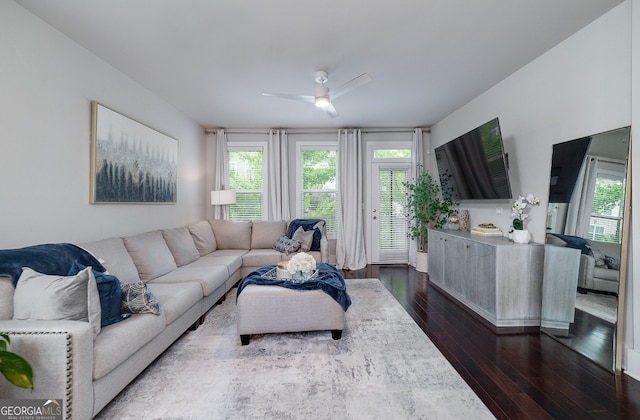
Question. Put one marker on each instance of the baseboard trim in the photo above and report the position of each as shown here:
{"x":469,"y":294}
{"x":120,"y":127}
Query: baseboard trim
{"x":633,"y":364}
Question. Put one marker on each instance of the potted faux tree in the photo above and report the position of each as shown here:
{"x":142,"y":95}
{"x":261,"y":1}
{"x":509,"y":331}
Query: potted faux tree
{"x":425,"y":210}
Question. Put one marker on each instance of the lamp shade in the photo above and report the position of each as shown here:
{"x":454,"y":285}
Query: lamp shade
{"x":222,"y":197}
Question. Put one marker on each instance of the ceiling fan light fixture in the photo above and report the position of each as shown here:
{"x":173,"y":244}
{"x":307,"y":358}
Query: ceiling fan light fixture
{"x":321,"y":101}
{"x":321,"y":97}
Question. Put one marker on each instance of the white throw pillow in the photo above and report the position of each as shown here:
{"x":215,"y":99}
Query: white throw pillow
{"x":51,"y":297}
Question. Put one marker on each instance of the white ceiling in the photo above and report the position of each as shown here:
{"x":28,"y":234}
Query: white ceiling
{"x":212,"y":59}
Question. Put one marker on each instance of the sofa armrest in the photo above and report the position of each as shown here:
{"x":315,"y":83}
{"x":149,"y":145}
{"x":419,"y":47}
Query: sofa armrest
{"x":585,"y":274}
{"x":61,"y":355}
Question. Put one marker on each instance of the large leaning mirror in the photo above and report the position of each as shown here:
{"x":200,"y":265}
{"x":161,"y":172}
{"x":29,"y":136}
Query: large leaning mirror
{"x":584,"y":242}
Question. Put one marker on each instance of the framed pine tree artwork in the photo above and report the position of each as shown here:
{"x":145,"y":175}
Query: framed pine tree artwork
{"x":130,"y":161}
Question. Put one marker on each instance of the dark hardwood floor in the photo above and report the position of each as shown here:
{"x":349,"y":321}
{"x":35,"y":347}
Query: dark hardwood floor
{"x":518,"y":376}
{"x":591,"y":336}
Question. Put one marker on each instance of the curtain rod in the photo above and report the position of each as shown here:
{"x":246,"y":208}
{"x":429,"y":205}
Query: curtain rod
{"x":295,"y":131}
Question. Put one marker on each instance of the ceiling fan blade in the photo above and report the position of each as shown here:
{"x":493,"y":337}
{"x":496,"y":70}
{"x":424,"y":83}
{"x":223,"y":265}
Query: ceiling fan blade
{"x":363,"y":79}
{"x":331,"y":111}
{"x":304,"y":98}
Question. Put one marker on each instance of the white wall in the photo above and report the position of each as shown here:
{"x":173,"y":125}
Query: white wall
{"x":582,"y":86}
{"x":47,"y":83}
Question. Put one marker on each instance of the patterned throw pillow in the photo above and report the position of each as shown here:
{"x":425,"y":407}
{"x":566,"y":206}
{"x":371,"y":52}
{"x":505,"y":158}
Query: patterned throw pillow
{"x":287,"y":246}
{"x":611,"y":263}
{"x":137,"y":299}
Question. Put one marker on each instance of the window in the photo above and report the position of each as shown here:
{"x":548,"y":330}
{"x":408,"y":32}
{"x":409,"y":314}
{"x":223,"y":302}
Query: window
{"x":605,"y":223}
{"x":392,"y":220}
{"x":318,"y":190}
{"x":391,"y":153}
{"x":246,"y":174}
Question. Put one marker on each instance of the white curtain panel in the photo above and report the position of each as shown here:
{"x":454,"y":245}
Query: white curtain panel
{"x":221,"y":172}
{"x":278,"y":176}
{"x":580,"y":206}
{"x":350,"y":250}
{"x":417,"y":161}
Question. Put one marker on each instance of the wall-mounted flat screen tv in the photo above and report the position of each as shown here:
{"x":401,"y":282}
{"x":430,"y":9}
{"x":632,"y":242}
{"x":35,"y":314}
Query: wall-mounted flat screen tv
{"x":566,"y":162}
{"x":474,"y":165}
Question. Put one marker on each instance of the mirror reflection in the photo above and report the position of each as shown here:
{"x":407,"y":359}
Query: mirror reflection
{"x":583,"y":243}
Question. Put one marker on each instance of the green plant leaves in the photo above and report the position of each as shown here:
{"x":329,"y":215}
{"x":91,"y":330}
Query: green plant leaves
{"x":425,"y":208}
{"x":17,"y":370}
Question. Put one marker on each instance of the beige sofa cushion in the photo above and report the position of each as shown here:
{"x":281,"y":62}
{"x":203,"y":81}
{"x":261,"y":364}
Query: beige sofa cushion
{"x":117,"y":342}
{"x":265,"y":234}
{"x":600,"y":250}
{"x":150,"y":254}
{"x":203,"y":237}
{"x":6,"y":298}
{"x":232,"y":235}
{"x":231,"y":258}
{"x":211,"y":278}
{"x":259,"y":257}
{"x":114,"y":257}
{"x":176,"y":299}
{"x":181,"y":245}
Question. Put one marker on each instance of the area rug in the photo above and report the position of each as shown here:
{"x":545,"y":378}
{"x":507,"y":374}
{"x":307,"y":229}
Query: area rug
{"x":384,"y":367}
{"x":599,"y":305}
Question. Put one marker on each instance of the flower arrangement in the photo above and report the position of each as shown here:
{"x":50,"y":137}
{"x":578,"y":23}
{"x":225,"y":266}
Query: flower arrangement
{"x":520,"y":207}
{"x":302,"y":265}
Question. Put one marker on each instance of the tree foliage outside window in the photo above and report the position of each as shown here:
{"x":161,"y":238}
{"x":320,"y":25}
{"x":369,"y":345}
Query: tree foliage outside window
{"x":605,"y":223}
{"x":245,"y":178}
{"x":391,"y":153}
{"x":319,"y":186}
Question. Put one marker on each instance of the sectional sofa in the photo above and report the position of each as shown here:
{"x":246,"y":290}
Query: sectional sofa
{"x":186,"y":270}
{"x":600,"y":269}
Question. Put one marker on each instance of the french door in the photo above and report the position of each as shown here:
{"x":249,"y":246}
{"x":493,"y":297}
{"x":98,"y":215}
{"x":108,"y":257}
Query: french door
{"x":387,"y":214}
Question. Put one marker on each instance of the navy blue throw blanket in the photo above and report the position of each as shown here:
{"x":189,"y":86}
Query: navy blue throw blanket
{"x":55,"y":259}
{"x":307,"y":224}
{"x":328,"y":280}
{"x":575,"y":242}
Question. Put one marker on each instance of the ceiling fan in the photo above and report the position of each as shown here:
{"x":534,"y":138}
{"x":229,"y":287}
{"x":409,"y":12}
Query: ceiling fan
{"x":322,"y":98}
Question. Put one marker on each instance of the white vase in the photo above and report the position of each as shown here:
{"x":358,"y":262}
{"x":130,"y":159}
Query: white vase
{"x":521,"y":236}
{"x":422,"y":262}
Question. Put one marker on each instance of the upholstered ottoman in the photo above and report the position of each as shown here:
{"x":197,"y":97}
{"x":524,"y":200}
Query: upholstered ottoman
{"x":276,"y":307}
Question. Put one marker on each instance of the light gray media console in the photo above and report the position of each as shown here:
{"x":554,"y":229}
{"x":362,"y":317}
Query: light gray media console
{"x":499,"y":280}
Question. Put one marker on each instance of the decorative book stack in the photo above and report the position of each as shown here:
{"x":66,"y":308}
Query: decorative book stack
{"x":486,"y":229}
